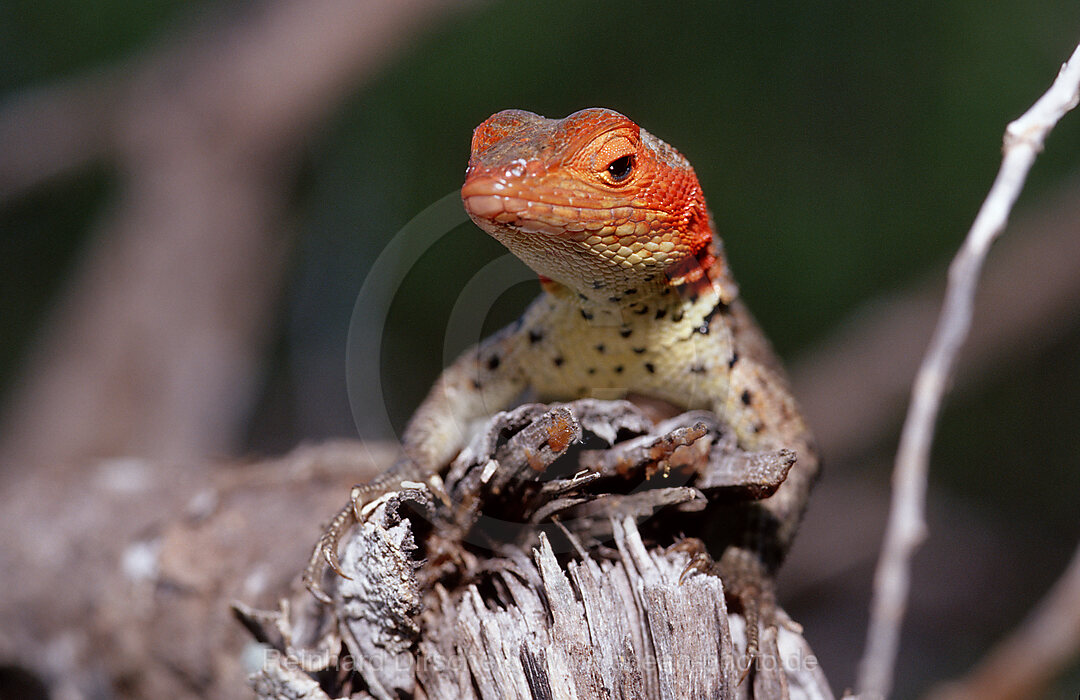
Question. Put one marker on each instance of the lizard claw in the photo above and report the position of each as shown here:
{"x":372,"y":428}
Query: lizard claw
{"x":698,"y":562}
{"x":692,"y":545}
{"x":748,"y":665}
{"x":699,"y":557}
{"x":357,"y":502}
{"x":325,"y":552}
{"x":312,"y":574}
{"x":330,"y":555}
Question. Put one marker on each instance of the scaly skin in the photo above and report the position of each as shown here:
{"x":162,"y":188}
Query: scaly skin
{"x":636,"y":298}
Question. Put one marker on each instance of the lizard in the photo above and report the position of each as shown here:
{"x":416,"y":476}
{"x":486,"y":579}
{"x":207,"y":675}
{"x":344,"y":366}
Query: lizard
{"x":636,"y":298}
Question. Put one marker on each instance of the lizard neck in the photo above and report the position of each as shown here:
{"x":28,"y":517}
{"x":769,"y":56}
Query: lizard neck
{"x":606,"y":300}
{"x":650,"y":296}
{"x":617,"y":308}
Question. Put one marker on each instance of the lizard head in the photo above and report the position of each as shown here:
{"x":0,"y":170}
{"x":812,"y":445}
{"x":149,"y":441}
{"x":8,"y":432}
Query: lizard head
{"x":591,"y":201}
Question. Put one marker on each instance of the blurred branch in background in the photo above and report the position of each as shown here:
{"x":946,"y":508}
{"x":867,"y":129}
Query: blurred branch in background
{"x":906,"y":528}
{"x":49,"y":131}
{"x":154,"y":348}
{"x":1022,"y":665}
{"x":159,"y":550}
{"x":854,"y":384}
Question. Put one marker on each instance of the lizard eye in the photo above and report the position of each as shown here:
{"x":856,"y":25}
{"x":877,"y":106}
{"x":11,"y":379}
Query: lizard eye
{"x":620,"y":168}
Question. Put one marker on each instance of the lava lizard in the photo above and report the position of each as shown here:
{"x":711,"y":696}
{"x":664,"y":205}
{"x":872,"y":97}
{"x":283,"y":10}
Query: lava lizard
{"x":637,"y":297}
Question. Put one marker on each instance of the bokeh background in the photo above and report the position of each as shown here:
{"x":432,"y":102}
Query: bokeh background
{"x":192,"y":194}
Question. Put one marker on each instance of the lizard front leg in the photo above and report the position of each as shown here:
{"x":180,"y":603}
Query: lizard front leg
{"x":484,"y":380}
{"x":759,"y":406}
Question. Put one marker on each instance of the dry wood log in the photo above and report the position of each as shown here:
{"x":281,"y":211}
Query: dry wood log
{"x":538,"y":568}
{"x":119,"y":577}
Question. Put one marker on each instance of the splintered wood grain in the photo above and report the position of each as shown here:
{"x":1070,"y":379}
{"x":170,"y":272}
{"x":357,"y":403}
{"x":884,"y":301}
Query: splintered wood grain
{"x":451,"y":597}
{"x":590,"y":629}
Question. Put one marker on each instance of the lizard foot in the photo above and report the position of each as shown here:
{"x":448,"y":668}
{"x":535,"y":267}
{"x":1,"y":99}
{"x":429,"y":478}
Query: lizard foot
{"x":361,"y":499}
{"x":326,"y":549}
{"x":699,"y":556}
{"x":746,"y":584}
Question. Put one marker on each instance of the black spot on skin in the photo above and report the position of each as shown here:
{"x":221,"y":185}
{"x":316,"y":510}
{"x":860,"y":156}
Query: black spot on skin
{"x":642,"y":311}
{"x":746,"y":398}
{"x":614,"y":299}
{"x":625,"y":332}
{"x":649,"y":278}
{"x":493,"y":362}
{"x":597,"y":284}
{"x":699,"y":369}
{"x":630,"y":291}
{"x":650,"y":368}
{"x":586,"y":315}
{"x":660,"y":313}
{"x":559,"y":361}
{"x":757,"y":427}
{"x":706,"y":322}
{"x":600,"y":348}
{"x":535,"y":336}
{"x":733,"y":360}
{"x":618,"y":369}
{"x":476,"y":384}
{"x":693,"y":298}
{"x":582,"y":296}
{"x":639,"y":351}
{"x":677,"y":316}
{"x":591,"y":370}
{"x":667,"y":290}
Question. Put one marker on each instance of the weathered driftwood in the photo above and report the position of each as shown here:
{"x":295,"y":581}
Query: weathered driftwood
{"x":525,"y":574}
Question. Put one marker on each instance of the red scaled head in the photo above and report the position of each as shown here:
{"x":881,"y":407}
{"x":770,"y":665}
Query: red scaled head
{"x":592,"y":201}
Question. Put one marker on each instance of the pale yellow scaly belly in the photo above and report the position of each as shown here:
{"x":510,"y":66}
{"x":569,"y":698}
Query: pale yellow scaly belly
{"x":570,"y":357}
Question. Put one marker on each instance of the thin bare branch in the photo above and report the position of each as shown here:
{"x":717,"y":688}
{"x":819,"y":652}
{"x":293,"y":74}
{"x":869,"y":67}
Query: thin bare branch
{"x":906,"y":528}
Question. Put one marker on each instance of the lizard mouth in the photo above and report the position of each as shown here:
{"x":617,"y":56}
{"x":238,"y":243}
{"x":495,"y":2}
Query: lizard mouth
{"x":521,"y":214}
{"x":492,"y":200}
